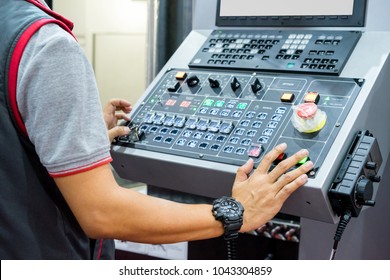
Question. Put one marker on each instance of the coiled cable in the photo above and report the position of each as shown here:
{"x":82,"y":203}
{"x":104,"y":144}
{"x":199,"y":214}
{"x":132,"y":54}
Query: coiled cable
{"x":344,"y":220}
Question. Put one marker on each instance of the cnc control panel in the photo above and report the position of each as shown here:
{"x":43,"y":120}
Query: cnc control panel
{"x":228,"y":117}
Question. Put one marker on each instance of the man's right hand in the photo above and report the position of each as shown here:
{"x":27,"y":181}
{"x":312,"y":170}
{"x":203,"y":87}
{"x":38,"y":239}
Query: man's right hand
{"x":263,"y":193}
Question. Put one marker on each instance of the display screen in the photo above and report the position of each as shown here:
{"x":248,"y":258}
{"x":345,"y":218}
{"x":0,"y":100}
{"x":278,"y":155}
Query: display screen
{"x":286,"y":8}
{"x":305,"y":13}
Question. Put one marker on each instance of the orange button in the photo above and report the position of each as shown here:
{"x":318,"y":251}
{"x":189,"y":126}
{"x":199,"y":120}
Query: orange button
{"x":312,"y":97}
{"x":287,"y":97}
{"x":181,"y":75}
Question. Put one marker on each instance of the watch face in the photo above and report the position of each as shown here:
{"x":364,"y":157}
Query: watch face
{"x":229,"y":208}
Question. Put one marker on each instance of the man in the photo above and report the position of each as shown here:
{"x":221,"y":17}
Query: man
{"x":57,"y":187}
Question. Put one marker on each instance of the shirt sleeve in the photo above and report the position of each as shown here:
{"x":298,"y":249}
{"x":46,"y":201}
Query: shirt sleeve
{"x":59,"y":102}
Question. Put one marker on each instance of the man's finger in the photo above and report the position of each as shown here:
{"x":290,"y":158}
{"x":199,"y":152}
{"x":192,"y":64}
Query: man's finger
{"x":120,"y":104}
{"x":288,"y":189}
{"x":286,"y":164}
{"x":244,"y":171}
{"x":118,"y":131}
{"x":122,"y":117}
{"x":270,"y":157}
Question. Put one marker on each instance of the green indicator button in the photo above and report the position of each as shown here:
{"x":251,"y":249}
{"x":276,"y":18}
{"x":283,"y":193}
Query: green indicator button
{"x":219,"y":103}
{"x":242,"y":106}
{"x":208,"y":102}
{"x":290,"y":65}
{"x":303,"y":161}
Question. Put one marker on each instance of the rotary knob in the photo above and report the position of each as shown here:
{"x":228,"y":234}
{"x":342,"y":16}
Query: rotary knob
{"x":256,"y":86}
{"x":364,"y":192}
{"x":193,"y":81}
{"x":235,"y":84}
{"x":213,"y":83}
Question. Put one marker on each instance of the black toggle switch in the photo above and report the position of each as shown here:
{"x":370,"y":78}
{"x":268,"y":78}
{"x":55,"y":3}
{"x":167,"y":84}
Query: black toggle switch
{"x":213,"y":83}
{"x":235,"y":84}
{"x":135,"y":135}
{"x":193,"y":81}
{"x":174,"y":88}
{"x":256,"y":86}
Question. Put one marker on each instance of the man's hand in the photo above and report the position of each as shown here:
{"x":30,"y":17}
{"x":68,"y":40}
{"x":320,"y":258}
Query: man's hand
{"x":111,"y":117}
{"x":263,"y":193}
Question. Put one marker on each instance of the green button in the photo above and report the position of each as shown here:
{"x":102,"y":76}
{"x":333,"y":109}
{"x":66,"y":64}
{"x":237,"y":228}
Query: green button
{"x":242,"y":106}
{"x":219,"y":103}
{"x":208,"y":102}
{"x":290,"y":65}
{"x":303,"y":161}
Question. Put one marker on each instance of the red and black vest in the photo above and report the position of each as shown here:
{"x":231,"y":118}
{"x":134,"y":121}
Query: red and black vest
{"x":35,"y":221}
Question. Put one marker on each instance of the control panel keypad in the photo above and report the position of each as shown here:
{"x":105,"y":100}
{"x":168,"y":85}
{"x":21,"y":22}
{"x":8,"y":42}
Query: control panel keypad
{"x":220,"y":137}
{"x":323,"y":52}
{"x":230,"y":128}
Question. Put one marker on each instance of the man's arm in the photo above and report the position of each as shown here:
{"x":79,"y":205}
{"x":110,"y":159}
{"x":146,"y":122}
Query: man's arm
{"x":106,"y":210}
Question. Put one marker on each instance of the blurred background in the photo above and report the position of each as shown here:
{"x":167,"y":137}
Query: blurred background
{"x":127,"y":41}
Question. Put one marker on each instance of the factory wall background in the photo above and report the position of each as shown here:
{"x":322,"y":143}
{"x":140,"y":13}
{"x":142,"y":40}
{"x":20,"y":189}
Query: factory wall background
{"x":114,"y":36}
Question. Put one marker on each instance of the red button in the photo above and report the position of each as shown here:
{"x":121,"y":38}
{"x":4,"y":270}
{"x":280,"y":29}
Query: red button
{"x":281,"y":157}
{"x":306,"y":110}
{"x":255,"y":151}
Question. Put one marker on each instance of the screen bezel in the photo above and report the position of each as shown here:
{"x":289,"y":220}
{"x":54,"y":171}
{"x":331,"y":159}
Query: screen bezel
{"x":357,"y":19}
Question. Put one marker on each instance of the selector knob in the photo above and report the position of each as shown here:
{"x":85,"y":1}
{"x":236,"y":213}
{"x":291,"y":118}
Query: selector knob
{"x":213,"y":83}
{"x":256,"y":86}
{"x":364,"y":192}
{"x":193,"y":81}
{"x":235,"y":84}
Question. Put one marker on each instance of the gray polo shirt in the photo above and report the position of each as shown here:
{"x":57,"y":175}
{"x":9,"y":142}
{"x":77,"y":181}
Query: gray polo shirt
{"x":59,"y":102}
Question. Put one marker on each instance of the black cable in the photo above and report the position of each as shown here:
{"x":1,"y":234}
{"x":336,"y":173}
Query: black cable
{"x":344,"y":220}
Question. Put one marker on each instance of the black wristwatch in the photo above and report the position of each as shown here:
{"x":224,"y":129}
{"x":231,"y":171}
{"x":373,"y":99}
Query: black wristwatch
{"x":230,"y":212}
